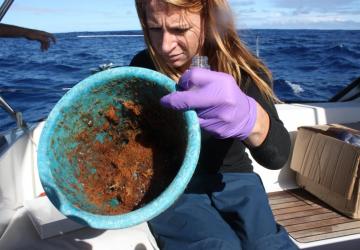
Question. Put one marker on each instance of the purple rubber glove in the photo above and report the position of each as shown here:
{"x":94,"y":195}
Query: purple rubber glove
{"x":223,"y":109}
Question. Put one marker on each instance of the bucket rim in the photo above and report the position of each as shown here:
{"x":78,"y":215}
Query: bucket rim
{"x":151,"y":209}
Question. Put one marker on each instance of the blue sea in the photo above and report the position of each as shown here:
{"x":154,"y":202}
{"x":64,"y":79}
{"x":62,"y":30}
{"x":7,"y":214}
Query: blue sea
{"x":307,"y":65}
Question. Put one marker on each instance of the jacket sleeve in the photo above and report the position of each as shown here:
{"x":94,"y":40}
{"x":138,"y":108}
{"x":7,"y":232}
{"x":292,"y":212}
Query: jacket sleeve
{"x":275,"y":150}
{"x":143,"y":60}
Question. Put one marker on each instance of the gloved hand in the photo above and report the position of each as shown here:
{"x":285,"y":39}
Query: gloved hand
{"x":223,"y":109}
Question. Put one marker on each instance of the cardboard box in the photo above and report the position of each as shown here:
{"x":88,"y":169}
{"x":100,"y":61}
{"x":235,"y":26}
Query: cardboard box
{"x":328,"y":167}
{"x":47,"y":220}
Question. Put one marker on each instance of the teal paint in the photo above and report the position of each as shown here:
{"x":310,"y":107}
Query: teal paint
{"x":57,"y":172}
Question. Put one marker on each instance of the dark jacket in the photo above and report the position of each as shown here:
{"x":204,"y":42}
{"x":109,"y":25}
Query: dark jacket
{"x":228,"y":155}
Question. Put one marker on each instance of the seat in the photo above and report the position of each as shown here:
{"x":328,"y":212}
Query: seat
{"x":21,"y":234}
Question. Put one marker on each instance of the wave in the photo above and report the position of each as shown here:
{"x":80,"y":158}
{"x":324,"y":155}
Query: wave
{"x":59,"y":67}
{"x":86,"y":55}
{"x":288,"y":90}
{"x":31,"y":90}
{"x":7,"y":63}
{"x":65,"y":67}
{"x":338,"y":63}
{"x":297,"y":49}
{"x":342,"y":49}
{"x":25,"y":81}
{"x":296,"y":88}
{"x":308,"y":68}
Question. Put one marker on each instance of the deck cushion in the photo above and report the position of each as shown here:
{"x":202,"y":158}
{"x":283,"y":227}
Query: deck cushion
{"x":21,"y":234}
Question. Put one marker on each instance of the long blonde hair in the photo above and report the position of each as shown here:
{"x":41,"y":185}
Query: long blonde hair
{"x":222,"y":45}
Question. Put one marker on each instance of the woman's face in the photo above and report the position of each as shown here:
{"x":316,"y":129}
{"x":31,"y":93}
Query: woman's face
{"x":174,"y":33}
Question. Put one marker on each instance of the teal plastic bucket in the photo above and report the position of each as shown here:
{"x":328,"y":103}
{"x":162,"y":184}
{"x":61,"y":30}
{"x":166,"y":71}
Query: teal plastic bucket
{"x":82,"y":109}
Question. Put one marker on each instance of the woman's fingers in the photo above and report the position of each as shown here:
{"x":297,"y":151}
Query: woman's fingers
{"x":185,"y":100}
{"x":195,"y":77}
{"x":44,"y":38}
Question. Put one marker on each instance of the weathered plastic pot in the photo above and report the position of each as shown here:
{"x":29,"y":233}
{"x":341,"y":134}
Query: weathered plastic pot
{"x":58,"y":172}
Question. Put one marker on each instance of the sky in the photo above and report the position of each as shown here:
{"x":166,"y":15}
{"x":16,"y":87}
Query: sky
{"x":115,"y":15}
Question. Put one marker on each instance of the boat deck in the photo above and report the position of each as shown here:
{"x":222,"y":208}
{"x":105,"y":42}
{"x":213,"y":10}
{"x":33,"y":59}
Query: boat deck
{"x":307,"y":219}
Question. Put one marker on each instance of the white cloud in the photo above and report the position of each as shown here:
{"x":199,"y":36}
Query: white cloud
{"x":238,"y":3}
{"x":313,"y":4}
{"x":36,"y":10}
{"x":304,"y":14}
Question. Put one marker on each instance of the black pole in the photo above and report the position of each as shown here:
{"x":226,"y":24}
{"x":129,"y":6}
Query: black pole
{"x":5,"y":7}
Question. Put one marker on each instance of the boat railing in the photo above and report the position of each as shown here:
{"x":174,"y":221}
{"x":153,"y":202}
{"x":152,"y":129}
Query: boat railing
{"x":17,"y":116}
{"x":349,"y":93}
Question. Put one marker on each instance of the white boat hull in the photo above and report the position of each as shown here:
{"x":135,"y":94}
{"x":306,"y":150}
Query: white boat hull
{"x":19,"y":182}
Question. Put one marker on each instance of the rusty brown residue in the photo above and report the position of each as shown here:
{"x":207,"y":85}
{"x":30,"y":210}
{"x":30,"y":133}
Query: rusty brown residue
{"x":132,"y":107}
{"x":111,"y":115}
{"x":129,"y":167}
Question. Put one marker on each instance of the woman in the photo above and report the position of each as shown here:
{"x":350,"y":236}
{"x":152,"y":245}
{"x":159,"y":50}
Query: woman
{"x":225,"y":205}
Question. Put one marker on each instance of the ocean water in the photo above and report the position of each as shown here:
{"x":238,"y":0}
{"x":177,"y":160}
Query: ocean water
{"x":307,"y":65}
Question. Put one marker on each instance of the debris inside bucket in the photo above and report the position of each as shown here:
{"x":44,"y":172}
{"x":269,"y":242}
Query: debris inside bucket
{"x":128,"y":160}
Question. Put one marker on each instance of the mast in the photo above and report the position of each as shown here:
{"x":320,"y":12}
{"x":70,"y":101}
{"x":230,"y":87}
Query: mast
{"x":257,"y":46}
